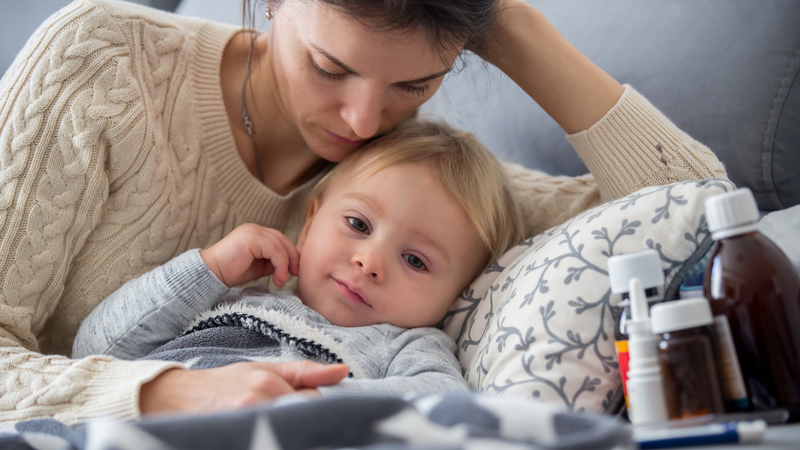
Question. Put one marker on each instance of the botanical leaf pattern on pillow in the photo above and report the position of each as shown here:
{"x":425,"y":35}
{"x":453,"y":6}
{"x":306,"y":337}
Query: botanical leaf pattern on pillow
{"x":539,"y":322}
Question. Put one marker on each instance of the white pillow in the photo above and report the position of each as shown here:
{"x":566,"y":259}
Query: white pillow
{"x":539,"y":322}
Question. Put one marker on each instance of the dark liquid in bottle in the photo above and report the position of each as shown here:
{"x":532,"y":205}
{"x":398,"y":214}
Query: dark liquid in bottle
{"x":690,"y":376}
{"x":753,"y":284}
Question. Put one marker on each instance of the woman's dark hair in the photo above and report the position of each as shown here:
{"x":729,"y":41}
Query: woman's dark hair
{"x":447,"y":23}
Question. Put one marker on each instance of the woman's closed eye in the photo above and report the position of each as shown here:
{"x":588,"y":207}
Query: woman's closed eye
{"x":358,"y":225}
{"x":408,"y":88}
{"x":415,"y":262}
{"x":328,"y":75}
{"x":415,"y":90}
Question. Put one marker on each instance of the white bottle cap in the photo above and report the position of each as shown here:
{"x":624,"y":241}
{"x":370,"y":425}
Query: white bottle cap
{"x":751,"y":432}
{"x":732,"y":213}
{"x":680,"y":315}
{"x":644,"y":265}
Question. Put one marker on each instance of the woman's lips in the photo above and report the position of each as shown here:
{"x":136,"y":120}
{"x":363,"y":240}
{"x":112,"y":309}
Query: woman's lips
{"x":347,"y":292}
{"x":342,"y":140}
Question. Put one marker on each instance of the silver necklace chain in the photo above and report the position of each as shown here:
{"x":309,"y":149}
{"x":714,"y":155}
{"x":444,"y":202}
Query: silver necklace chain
{"x":248,"y":124}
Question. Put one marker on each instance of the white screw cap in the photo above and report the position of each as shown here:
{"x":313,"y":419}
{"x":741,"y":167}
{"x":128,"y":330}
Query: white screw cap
{"x":732,"y":213}
{"x":680,"y":315}
{"x":644,"y":265}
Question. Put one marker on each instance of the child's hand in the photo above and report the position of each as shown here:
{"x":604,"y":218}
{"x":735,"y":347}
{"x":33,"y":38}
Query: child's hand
{"x":250,"y":252}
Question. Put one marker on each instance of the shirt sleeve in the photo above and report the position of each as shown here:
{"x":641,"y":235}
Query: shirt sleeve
{"x":59,"y":103}
{"x":423,"y":362}
{"x":150,"y":310}
{"x":632,"y":147}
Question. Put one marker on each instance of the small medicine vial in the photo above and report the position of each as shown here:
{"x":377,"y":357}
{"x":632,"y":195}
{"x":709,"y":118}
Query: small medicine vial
{"x":646,"y":266}
{"x":691,"y":386}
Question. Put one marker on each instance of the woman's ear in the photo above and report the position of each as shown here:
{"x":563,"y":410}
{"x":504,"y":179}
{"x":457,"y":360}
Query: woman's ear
{"x":312,"y":210}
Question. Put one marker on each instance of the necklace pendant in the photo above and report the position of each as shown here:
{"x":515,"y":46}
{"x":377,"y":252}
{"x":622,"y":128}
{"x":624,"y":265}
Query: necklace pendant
{"x":248,"y":124}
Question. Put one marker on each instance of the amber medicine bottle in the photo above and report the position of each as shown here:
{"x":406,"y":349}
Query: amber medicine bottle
{"x":753,"y":287}
{"x":686,"y":355}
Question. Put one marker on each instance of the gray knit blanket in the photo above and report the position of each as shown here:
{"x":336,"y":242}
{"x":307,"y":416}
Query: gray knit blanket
{"x":449,"y":421}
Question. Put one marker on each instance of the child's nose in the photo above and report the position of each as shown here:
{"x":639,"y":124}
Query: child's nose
{"x":370,"y":265}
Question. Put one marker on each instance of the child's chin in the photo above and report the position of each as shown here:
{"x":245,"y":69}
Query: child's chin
{"x":347,"y":320}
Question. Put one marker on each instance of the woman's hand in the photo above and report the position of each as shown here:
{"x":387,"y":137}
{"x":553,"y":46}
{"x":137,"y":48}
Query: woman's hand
{"x":250,"y":252}
{"x":566,"y":84}
{"x":234,"y":386}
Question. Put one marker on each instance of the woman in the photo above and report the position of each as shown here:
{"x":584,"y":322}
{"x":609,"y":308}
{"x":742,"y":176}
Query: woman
{"x":128,"y":136}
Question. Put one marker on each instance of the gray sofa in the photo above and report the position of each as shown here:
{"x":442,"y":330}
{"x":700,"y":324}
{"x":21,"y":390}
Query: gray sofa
{"x":725,"y":71}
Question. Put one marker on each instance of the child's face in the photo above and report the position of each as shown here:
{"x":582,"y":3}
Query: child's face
{"x":394,"y":248}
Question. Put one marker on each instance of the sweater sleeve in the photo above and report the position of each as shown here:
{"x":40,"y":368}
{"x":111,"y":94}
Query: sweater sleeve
{"x":632,"y":147}
{"x":150,"y":310}
{"x":422,"y":361}
{"x":58,"y":104}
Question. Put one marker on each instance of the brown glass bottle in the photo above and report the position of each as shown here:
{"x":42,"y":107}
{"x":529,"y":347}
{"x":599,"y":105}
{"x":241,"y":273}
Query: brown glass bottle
{"x":690,"y":376}
{"x":753,"y":284}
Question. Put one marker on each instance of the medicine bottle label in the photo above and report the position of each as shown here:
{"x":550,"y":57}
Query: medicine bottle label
{"x":623,"y":358}
{"x":735,"y":392}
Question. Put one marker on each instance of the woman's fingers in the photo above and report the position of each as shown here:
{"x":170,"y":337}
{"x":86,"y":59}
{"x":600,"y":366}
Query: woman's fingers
{"x":308,"y":374}
{"x":234,"y":386}
{"x":265,"y":384}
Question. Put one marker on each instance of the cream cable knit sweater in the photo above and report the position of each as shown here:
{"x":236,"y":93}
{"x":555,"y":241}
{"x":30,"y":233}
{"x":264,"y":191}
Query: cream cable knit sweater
{"x":116,"y":155}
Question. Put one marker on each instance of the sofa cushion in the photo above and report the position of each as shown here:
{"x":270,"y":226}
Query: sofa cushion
{"x":539,"y":322}
{"x":724,"y":71}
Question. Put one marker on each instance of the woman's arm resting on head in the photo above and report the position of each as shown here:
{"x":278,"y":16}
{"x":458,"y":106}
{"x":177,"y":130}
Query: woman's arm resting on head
{"x":626,"y":143}
{"x":565,"y":83}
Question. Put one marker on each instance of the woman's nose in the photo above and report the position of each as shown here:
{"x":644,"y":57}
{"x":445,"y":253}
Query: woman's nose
{"x":370,"y":264}
{"x":363,"y":111}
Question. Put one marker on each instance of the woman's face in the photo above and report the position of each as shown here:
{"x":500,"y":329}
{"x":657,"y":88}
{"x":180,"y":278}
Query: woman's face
{"x":340,"y":82}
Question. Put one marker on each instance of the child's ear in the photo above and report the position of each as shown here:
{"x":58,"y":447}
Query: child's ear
{"x":312,"y":210}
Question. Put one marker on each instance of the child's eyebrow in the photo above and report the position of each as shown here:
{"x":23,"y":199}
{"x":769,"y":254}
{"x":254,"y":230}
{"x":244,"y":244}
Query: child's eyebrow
{"x":369,"y":201}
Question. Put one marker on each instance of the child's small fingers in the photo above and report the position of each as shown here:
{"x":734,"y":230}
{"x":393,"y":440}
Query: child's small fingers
{"x":279,"y":259}
{"x":292,"y":253}
{"x":293,"y":263}
{"x":280,"y":277}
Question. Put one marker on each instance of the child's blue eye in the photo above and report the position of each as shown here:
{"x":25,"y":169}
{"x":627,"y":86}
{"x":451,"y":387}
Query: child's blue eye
{"x":358,"y":225}
{"x":415,"y":262}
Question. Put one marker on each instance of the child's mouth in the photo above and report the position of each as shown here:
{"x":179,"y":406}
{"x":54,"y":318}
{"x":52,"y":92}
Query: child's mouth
{"x":347,"y":292}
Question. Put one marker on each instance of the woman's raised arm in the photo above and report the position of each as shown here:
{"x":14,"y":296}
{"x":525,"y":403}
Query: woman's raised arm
{"x":626,"y":143}
{"x":565,"y":83}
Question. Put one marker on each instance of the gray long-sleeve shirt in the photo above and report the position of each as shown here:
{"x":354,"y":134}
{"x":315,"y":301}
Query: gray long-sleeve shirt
{"x":149,"y":316}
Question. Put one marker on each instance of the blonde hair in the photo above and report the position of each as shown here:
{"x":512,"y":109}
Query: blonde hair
{"x":464,"y":167}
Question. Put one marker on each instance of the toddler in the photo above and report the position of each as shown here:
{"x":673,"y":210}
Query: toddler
{"x":391,"y":237}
